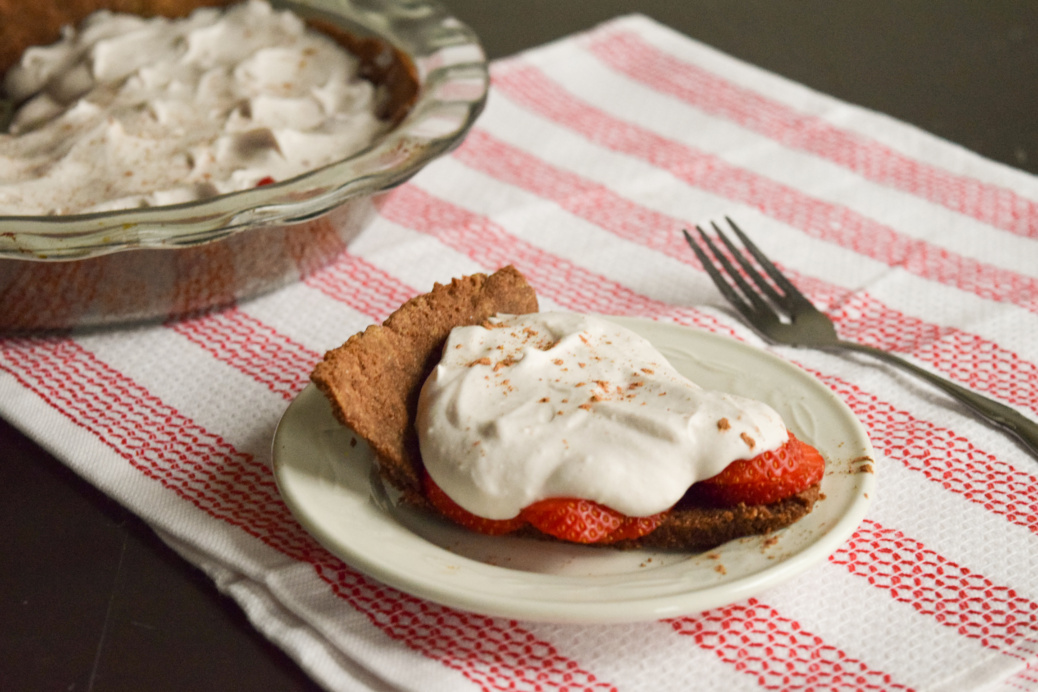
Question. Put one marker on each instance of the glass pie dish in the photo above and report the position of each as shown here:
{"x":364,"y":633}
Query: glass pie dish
{"x":161,"y":262}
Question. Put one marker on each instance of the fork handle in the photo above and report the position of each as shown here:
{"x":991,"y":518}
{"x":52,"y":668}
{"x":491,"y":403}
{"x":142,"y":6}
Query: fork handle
{"x":1001,"y":415}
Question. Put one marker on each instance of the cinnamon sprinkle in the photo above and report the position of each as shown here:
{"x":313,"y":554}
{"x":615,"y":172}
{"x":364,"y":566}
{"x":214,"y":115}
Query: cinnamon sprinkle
{"x":506,"y":362}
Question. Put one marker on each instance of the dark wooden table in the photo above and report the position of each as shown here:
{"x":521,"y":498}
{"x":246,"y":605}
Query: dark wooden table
{"x":90,"y":599}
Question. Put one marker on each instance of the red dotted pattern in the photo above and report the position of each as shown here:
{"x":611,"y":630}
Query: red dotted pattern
{"x":566,"y":283}
{"x":943,"y":456}
{"x":252,"y":347}
{"x":493,"y":654}
{"x":951,"y":594}
{"x":582,"y":197}
{"x":71,"y":288}
{"x":771,"y":648}
{"x":200,"y":467}
{"x":965,"y":357}
{"x":411,"y":619}
{"x":310,"y":251}
{"x":558,"y":289}
{"x":232,"y":486}
{"x":938,"y":453}
{"x":757,"y":640}
{"x":631,"y":55}
{"x":532,"y":89}
{"x":360,"y":284}
{"x":968,"y":358}
{"x":204,"y":277}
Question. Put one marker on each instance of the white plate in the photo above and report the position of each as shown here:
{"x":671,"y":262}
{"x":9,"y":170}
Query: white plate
{"x":330,"y":487}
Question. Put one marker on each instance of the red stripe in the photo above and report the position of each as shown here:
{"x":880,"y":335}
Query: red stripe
{"x":757,"y":640}
{"x":490,"y":246}
{"x":311,"y":246}
{"x":413,"y":208}
{"x":360,"y":284}
{"x":944,"y":457}
{"x":968,"y":358}
{"x":996,"y":206}
{"x":820,"y":219}
{"x":50,"y":294}
{"x":970,"y":603}
{"x":157,"y":440}
{"x":494,"y":654}
{"x":965,"y":470}
{"x":965,"y":357}
{"x":580,"y":196}
{"x":245,"y":343}
{"x":205,"y":276}
{"x":613,"y":289}
{"x":232,"y":486}
{"x":353,"y":278}
{"x":273,"y":359}
{"x":616,"y":291}
{"x":939,"y":454}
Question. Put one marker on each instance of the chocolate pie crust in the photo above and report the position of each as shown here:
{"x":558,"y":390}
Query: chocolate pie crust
{"x":373,"y":380}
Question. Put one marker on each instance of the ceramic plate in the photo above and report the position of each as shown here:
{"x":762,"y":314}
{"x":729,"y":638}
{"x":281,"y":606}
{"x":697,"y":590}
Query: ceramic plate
{"x":326,"y":477}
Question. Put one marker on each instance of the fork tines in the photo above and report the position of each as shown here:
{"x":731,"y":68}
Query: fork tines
{"x":770,"y":291}
{"x":729,"y":279}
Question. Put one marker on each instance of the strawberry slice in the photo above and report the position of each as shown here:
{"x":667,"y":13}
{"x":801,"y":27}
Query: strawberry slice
{"x":577,"y":521}
{"x":767,"y":477}
{"x":635,"y":527}
{"x":459,"y":515}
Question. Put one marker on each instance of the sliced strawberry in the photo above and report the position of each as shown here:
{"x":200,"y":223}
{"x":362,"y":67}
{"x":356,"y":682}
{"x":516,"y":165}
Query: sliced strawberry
{"x":577,"y":521}
{"x":459,"y":515}
{"x":767,"y":477}
{"x":635,"y":527}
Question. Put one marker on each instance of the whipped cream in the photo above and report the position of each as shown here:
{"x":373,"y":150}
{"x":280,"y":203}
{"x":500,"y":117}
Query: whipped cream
{"x":128,"y":112}
{"x":545,"y":405}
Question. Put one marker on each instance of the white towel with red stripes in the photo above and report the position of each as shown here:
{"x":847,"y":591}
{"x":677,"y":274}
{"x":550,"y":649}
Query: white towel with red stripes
{"x":593,"y":153}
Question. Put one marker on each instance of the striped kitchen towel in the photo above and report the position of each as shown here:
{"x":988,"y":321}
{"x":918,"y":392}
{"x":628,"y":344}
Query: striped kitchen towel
{"x":592,"y":155}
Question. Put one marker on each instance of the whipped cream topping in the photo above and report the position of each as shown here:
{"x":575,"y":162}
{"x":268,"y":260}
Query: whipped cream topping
{"x":128,"y":112}
{"x":545,"y":405}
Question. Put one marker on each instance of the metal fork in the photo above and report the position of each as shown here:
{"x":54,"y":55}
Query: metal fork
{"x":782,"y":314}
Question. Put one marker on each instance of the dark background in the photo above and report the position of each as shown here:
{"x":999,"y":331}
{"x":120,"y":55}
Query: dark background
{"x":90,"y":599}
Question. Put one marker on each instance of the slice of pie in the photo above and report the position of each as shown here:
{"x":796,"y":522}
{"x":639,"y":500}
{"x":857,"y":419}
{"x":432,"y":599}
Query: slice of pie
{"x":374,"y":383}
